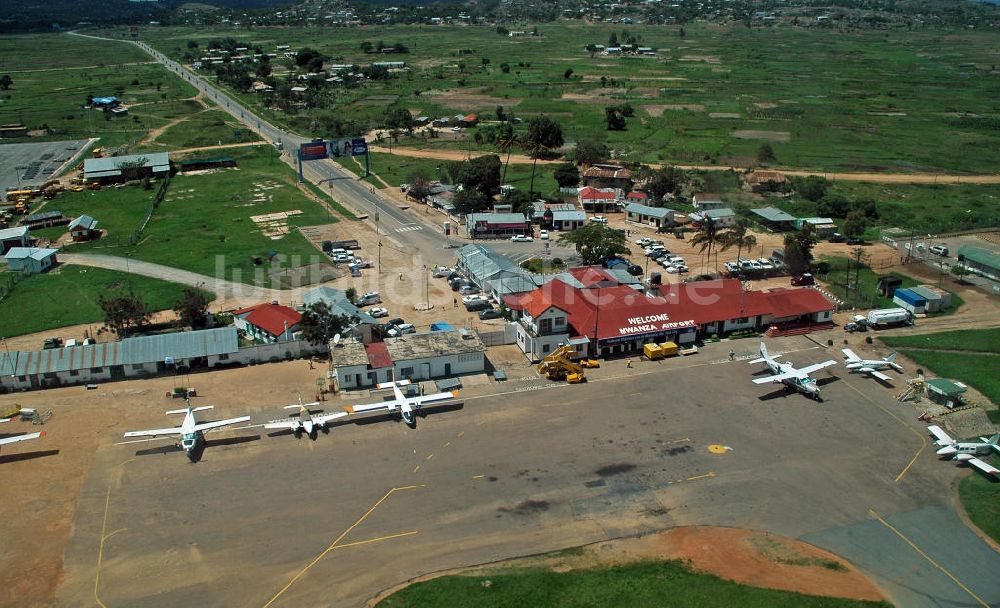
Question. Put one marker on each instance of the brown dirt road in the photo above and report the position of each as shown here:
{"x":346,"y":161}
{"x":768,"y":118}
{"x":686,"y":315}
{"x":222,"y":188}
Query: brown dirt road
{"x":881,"y":178}
{"x":753,"y":558}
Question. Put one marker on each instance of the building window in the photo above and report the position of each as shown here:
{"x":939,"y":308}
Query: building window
{"x":545,"y":348}
{"x":406,"y":372}
{"x":74,"y":372}
{"x":545,"y":326}
{"x":96,"y":370}
{"x":559,"y":321}
{"x":22,"y":378}
{"x":224,"y":357}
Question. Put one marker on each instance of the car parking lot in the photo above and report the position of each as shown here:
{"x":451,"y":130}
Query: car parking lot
{"x":26,"y":165}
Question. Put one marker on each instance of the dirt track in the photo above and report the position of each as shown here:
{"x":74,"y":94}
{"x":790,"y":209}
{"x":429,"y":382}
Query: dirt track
{"x":882,"y":178}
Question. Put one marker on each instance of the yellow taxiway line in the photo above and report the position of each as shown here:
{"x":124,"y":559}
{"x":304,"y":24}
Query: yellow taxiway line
{"x":923,"y":440}
{"x":104,"y":535}
{"x":336,"y":543}
{"x":882,"y":521}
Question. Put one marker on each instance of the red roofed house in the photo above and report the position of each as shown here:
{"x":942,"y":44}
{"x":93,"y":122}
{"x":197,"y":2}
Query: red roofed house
{"x":605,"y":318}
{"x":608,"y":176}
{"x":598,"y":200}
{"x":636,"y":197}
{"x":469,"y":120}
{"x":267,"y":323}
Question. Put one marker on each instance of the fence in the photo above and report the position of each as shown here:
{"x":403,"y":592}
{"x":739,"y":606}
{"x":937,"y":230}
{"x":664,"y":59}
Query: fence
{"x":135,"y":236}
{"x":507,"y":335}
{"x":272,"y":353}
{"x":8,"y":283}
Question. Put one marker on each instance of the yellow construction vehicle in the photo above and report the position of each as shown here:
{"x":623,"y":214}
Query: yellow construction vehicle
{"x":9,"y":411}
{"x":558,"y":366}
{"x":589,"y":363}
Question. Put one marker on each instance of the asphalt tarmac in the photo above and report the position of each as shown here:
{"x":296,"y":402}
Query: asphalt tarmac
{"x":275,"y":521}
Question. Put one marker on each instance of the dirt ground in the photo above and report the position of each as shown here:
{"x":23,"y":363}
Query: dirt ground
{"x":51,"y":470}
{"x":753,"y":558}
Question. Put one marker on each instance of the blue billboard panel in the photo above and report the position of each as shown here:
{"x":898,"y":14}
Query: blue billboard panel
{"x":360,"y":146}
{"x":313,"y":151}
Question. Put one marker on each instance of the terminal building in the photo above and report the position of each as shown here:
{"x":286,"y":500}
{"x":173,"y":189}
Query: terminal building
{"x":604,"y":317}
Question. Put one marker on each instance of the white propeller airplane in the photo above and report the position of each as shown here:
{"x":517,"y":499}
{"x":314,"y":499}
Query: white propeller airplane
{"x":406,"y":405}
{"x":17,"y":438}
{"x":306,"y":422}
{"x":788,"y":375}
{"x":855,"y":363}
{"x":191,"y":432}
{"x":966,"y":451}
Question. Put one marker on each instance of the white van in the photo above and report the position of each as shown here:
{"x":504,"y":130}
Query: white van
{"x":369,"y":298}
{"x":941,"y":250}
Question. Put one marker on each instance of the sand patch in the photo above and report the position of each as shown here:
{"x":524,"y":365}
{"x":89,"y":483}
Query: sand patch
{"x":724,"y":115}
{"x":765,"y":105}
{"x":646,"y":92}
{"x":778,"y":136}
{"x":887,"y":113}
{"x":702,"y":58}
{"x":594,"y":96}
{"x":471,"y":100}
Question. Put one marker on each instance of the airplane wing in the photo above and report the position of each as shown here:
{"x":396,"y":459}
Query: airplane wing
{"x":776,"y":378}
{"x":805,"y":371}
{"x":15,"y":439}
{"x":940,"y":435}
{"x":851,"y":356}
{"x":879,"y":375}
{"x":324,"y":418}
{"x":204,"y":426}
{"x":985,"y":467}
{"x":418,"y":401}
{"x":154,"y":432}
{"x":371,"y":407}
{"x":284,"y":424}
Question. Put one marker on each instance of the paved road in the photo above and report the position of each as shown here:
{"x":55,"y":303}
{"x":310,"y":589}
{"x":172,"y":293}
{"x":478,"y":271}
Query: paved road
{"x":408,"y":230}
{"x":539,"y":466}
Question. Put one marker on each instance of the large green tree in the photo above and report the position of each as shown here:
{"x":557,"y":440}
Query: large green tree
{"x":542,"y":136}
{"x":124,"y":311}
{"x":590,"y":152}
{"x":319,"y":324}
{"x":798,"y":249}
{"x":506,"y":142}
{"x":567,"y":175}
{"x":708,"y":238}
{"x":482,"y":174}
{"x":739,"y":236}
{"x":596,"y":242}
{"x":192,"y":308}
{"x":855,"y":223}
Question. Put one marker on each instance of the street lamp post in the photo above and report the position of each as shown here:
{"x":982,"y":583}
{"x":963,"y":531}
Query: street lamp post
{"x":427,"y":297}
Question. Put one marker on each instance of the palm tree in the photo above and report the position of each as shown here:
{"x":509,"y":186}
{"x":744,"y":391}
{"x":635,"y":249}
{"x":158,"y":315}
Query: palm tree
{"x":738,"y":236}
{"x":707,"y":237}
{"x":535,"y":148}
{"x":507,"y":142}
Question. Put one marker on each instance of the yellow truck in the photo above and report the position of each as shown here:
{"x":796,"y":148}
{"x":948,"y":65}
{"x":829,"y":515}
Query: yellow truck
{"x":652,"y":351}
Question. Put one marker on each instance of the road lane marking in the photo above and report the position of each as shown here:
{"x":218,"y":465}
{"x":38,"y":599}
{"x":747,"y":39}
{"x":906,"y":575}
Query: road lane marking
{"x":709,"y":474}
{"x":882,"y":521}
{"x":478,"y":476}
{"x":416,"y":468}
{"x":429,"y":456}
{"x":923,"y":439}
{"x":446,"y":444}
{"x":337,"y":540}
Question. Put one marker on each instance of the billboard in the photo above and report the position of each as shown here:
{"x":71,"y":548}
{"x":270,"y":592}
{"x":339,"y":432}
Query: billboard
{"x":347,"y":147}
{"x":313,"y":151}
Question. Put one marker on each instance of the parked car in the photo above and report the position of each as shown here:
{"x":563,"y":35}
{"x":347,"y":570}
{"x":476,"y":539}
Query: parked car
{"x":673,"y":269}
{"x":359,"y":263}
{"x":544,"y":235}
{"x":473,"y":298}
{"x":395,"y":322}
{"x":521,"y":238}
{"x":343,"y":258}
{"x":941,"y":250}
{"x":732,"y":268}
{"x":406,"y":328}
{"x":462,"y":283}
{"x":491,"y":313}
{"x":52,"y":343}
{"x":378,"y":312}
{"x":803,"y":279}
{"x":856,"y":241}
{"x":467,"y":290}
{"x":369,"y":298}
{"x":635,"y":270}
{"x":477,"y":305}
{"x":765,"y":264}
{"x":442,"y":271}
{"x":599,"y":219}
{"x":643,"y":241}
{"x":746,"y":265}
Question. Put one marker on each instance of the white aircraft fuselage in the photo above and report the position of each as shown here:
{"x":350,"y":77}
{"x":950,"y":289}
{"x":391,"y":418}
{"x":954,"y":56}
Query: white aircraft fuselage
{"x":804,"y":385}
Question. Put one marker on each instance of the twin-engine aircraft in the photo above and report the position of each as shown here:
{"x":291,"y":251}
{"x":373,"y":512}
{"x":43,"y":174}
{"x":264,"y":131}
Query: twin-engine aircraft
{"x":306,"y":422}
{"x":871,"y":367}
{"x":966,"y":451}
{"x":406,"y":405}
{"x":788,"y":375}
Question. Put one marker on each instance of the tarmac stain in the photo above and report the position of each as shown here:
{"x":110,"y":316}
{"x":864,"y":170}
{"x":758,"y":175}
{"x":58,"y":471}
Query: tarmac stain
{"x":527,"y":507}
{"x":678,"y":450}
{"x":491,"y":478}
{"x":614,"y":469}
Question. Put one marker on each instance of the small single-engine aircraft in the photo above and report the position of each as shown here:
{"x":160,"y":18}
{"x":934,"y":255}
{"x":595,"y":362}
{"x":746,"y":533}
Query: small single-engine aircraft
{"x":191,"y":431}
{"x":871,"y":367}
{"x":406,"y":405}
{"x":306,"y":421}
{"x":788,"y":375}
{"x":966,"y":451}
{"x":17,"y":438}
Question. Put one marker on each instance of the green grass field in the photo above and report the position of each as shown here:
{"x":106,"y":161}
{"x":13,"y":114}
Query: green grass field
{"x":203,"y":128}
{"x":204,"y":221}
{"x":977,"y":368}
{"x":981,"y":499}
{"x":68,"y":296}
{"x":717,"y":93}
{"x":396,"y":170}
{"x":641,"y":584}
{"x":865,"y":296}
{"x":976,"y":340}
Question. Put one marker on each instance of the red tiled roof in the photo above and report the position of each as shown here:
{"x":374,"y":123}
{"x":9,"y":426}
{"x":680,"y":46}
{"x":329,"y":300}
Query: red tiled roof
{"x":470,"y":118}
{"x":272,"y":318}
{"x":378,"y":355}
{"x":594,"y":193}
{"x":591,"y":276}
{"x":636,"y":196}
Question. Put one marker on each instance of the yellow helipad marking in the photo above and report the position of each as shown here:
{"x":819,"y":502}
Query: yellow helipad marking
{"x":416,"y":468}
{"x":429,"y":456}
{"x":709,"y":474}
{"x":718,"y":449}
{"x":478,"y":476}
{"x":446,"y":445}
{"x":686,"y":439}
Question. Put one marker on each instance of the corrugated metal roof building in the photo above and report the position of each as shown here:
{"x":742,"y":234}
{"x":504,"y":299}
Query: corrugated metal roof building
{"x":135,"y":166}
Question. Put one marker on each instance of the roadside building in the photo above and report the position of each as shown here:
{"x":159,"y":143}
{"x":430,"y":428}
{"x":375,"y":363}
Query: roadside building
{"x":823,"y":226}
{"x":765,"y":181}
{"x":722,"y":217}
{"x":774,"y":219}
{"x":30,"y":260}
{"x":10,"y":131}
{"x":416,"y":357}
{"x":703,"y":201}
{"x":980,"y":261}
{"x":598,"y":200}
{"x":84,"y":228}
{"x":361,"y":323}
{"x":935,"y":299}
{"x":565,"y":220}
{"x":468,"y":121}
{"x":112,"y":169}
{"x":268,"y":323}
{"x":13,"y":237}
{"x":636,"y":196}
{"x":497,"y":225}
{"x":607,"y":176}
{"x":202,"y":164}
{"x":910,"y":300}
{"x":658,"y":217}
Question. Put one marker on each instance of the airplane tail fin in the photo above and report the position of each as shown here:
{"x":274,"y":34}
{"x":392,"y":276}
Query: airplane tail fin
{"x":763,"y":350}
{"x":994,"y":441}
{"x":891,"y":358}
